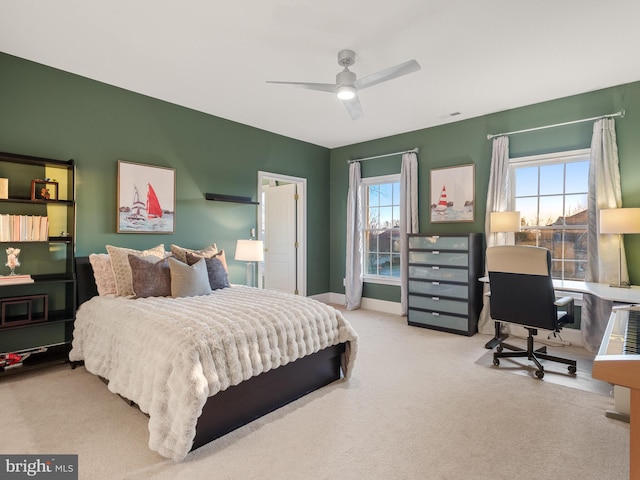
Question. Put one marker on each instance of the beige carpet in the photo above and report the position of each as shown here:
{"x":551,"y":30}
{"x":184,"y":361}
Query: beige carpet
{"x":417,"y":407}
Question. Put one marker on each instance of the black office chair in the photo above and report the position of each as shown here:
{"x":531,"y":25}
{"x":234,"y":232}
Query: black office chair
{"x":522,"y":293}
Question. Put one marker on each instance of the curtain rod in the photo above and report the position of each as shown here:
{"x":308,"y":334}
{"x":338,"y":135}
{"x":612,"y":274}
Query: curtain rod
{"x":413,"y":150}
{"x":610,"y":115}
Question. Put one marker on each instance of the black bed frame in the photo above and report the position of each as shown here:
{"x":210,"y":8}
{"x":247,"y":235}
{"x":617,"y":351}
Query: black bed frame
{"x":253,"y":398}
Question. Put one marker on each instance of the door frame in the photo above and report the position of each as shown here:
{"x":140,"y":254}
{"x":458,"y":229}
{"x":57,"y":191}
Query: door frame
{"x":301,"y":222}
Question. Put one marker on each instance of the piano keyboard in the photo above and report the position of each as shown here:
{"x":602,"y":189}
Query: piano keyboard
{"x":630,"y":344}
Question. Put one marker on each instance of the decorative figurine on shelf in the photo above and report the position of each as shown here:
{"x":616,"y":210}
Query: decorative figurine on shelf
{"x":12,"y":259}
{"x":45,"y":194}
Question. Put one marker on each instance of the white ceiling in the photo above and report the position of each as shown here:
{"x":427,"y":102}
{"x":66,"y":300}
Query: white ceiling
{"x":477,"y":56}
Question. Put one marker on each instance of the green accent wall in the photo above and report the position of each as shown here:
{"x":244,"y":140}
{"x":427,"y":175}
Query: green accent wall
{"x":465,"y":142}
{"x":50,"y":113}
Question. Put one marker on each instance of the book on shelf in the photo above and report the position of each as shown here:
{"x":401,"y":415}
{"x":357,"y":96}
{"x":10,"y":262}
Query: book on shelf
{"x":24,"y":228}
{"x":15,"y":279}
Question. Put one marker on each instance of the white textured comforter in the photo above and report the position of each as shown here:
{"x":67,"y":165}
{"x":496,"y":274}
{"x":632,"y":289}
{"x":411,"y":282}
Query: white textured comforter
{"x":169,"y":354}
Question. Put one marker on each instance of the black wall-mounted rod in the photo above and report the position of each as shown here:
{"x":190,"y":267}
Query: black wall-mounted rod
{"x":218,"y":197}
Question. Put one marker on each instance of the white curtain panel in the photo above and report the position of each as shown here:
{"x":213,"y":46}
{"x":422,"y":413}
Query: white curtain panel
{"x":604,"y":192}
{"x":353,"y":271}
{"x":408,"y":216}
{"x":497,"y":200}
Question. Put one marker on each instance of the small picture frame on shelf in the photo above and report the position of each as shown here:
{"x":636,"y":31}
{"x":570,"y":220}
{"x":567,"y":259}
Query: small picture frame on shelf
{"x":44,"y":190}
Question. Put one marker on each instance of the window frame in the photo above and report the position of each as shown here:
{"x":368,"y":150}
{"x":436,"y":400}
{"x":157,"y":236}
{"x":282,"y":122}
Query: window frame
{"x":554,"y":158}
{"x":364,"y":184}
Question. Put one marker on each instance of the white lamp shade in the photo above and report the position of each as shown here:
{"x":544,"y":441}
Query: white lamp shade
{"x":505,"y":222}
{"x":249,"y":251}
{"x":620,"y":220}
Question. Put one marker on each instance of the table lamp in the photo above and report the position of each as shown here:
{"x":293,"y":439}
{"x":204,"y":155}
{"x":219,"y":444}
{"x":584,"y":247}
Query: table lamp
{"x":250,"y":251}
{"x":618,"y":221}
{"x":505,"y":222}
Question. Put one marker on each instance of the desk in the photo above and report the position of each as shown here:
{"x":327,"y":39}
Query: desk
{"x":629,"y":295}
{"x":602,"y":290}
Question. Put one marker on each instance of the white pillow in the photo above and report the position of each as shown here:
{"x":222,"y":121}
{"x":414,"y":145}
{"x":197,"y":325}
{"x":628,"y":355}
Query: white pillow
{"x":122,"y":269}
{"x":103,"y":273}
{"x":189,"y":280}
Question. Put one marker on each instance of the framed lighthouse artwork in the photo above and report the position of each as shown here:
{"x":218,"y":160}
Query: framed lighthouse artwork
{"x":453,"y":194}
{"x":146,"y":198}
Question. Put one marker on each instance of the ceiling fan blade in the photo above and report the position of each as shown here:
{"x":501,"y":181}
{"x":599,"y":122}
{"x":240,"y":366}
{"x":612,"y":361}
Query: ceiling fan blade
{"x":353,"y":107}
{"x":322,"y":87}
{"x":387,"y":74}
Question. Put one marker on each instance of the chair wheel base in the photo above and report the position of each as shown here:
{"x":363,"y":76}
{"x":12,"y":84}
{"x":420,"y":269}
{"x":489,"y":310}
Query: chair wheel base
{"x":539,"y":374}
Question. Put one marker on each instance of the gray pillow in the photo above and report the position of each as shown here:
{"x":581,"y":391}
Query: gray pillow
{"x":218,"y":276}
{"x":188,"y":280}
{"x":150,"y":278}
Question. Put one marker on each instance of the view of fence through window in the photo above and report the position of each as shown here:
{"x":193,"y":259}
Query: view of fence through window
{"x":552,"y":201}
{"x":382,"y":229}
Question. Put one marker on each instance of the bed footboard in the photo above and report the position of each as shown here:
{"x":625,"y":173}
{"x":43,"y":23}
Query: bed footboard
{"x":251,"y":399}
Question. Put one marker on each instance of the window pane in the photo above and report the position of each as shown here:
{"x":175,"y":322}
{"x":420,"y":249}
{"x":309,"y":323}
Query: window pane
{"x":545,"y":239}
{"x":526,"y":181}
{"x":527,"y":237}
{"x":396,"y":193}
{"x":386,"y":217}
{"x":395,"y":265}
{"x":373,"y":218}
{"x":551,"y":210}
{"x":384,"y":264}
{"x":575,"y":244}
{"x":528,"y":208}
{"x":395,"y":240}
{"x":551,"y":179}
{"x":372,"y":242}
{"x":374,"y":195}
{"x":576,"y":209}
{"x":386,"y":194}
{"x":577,"y":177}
{"x":371,"y":264}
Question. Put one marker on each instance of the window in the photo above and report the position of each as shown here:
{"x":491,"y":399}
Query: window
{"x":381,"y":223}
{"x":551,"y":192}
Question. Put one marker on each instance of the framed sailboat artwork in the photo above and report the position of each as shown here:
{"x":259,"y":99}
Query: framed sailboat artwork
{"x":453,"y":194}
{"x":146,"y":198}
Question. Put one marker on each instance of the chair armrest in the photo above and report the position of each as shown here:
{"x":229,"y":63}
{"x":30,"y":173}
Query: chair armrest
{"x":561,"y":302}
{"x":566,"y":302}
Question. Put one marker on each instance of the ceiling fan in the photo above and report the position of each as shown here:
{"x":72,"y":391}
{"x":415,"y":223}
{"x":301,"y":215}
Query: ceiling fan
{"x":347,"y":85}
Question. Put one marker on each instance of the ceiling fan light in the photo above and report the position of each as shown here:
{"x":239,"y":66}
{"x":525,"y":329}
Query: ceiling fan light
{"x":346,"y":92}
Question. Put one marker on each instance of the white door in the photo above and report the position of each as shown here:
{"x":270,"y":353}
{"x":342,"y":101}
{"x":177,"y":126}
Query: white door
{"x":280,"y":238}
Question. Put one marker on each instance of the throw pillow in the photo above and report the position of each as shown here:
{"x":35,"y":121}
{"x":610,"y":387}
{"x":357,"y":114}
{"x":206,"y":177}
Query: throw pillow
{"x":218,"y":276}
{"x":188,"y":280}
{"x":122,"y":270}
{"x":150,"y":279}
{"x":181,"y":252}
{"x":103,"y":273}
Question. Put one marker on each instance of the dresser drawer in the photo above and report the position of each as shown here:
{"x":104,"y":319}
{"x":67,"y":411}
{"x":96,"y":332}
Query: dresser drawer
{"x":437,"y":257}
{"x":435,"y":319}
{"x":438,"y":289}
{"x":436,"y":272}
{"x":439,"y":304}
{"x":439,"y":243}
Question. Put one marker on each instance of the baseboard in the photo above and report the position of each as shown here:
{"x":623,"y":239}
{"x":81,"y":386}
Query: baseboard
{"x":376,"y":305}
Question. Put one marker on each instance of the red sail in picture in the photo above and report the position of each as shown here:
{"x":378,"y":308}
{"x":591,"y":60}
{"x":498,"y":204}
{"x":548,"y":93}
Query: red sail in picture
{"x":442,"y":204}
{"x":153,"y":205}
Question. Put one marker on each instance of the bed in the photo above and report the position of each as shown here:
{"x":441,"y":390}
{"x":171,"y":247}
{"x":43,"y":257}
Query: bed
{"x":215,"y":362}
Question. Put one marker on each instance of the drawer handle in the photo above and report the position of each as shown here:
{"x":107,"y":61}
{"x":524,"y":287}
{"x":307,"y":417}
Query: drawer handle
{"x":435,"y":299}
{"x":436,"y":252}
{"x":435,"y":314}
{"x":435,"y":283}
{"x":435,"y":267}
